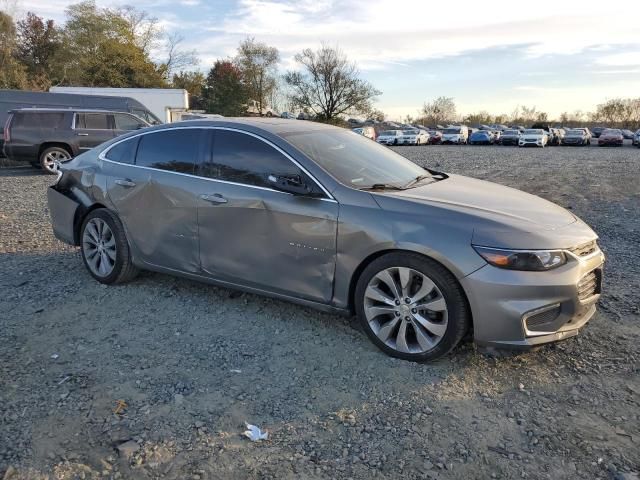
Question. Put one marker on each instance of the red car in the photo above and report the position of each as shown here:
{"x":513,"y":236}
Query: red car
{"x":435,"y":137}
{"x":611,"y":136}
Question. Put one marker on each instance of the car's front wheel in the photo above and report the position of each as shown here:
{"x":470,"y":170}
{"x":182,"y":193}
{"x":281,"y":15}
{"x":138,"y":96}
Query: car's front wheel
{"x":51,"y":157}
{"x":105,"y":250}
{"x":411,"y":307}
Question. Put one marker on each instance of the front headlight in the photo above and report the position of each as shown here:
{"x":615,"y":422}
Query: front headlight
{"x":530,"y":260}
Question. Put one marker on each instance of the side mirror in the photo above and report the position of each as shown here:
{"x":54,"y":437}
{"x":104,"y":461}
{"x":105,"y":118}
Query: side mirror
{"x":289,"y":183}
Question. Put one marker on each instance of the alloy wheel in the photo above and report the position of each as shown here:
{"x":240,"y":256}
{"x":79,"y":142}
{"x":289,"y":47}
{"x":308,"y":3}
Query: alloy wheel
{"x":52,"y":159}
{"x":99,"y":247}
{"x":406,"y":310}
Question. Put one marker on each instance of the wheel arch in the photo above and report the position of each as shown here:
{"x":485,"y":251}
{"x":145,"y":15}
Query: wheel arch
{"x":81,"y":214}
{"x":375,"y":255}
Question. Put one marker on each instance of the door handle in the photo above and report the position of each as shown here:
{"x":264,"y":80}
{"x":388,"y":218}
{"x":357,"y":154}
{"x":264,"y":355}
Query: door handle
{"x":125,"y":183}
{"x":215,"y":198}
{"x":83,"y":134}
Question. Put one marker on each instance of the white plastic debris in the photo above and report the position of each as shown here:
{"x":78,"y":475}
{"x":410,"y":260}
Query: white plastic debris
{"x":235,"y":370}
{"x":254,"y":433}
{"x":55,"y":356}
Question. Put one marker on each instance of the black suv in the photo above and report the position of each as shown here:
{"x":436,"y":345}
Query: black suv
{"x":46,"y":136}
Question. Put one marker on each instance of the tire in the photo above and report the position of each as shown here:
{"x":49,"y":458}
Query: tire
{"x":395,"y":142}
{"x":96,"y":242}
{"x":50,"y":155}
{"x":444,"y":328}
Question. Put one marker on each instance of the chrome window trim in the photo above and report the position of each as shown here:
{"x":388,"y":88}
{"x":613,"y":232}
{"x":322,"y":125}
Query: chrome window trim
{"x":102,"y":157}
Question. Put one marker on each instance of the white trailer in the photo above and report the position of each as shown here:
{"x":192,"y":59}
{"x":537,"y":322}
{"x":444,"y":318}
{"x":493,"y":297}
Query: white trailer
{"x":164,"y":103}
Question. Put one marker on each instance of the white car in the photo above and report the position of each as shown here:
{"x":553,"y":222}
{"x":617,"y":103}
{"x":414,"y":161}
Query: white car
{"x":389,"y":137}
{"x":366,"y":131}
{"x":414,"y":137}
{"x":533,"y":137}
{"x":458,"y":134}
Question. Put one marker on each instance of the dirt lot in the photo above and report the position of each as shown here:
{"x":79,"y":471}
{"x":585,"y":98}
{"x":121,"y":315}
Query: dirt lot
{"x":194,"y":362}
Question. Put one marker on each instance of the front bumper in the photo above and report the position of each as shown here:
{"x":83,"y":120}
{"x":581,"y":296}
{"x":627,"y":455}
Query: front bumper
{"x":514,"y":309}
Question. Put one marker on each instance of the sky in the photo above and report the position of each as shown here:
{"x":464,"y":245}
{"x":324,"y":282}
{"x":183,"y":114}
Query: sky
{"x":557,"y":56}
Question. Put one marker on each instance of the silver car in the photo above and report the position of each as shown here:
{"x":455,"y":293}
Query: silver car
{"x":323,"y":217}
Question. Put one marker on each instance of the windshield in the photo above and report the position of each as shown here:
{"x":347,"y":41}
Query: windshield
{"x":534,"y":132}
{"x":354,"y":160}
{"x":573,"y":133}
{"x":612,"y":131}
{"x":410,"y":132}
{"x":388,"y":133}
{"x":511,"y":132}
{"x":451,"y":130}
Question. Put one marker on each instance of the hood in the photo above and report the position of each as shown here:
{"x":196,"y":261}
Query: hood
{"x":504,"y":206}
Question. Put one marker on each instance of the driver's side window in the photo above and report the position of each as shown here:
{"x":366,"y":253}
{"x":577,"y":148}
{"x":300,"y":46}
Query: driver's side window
{"x":241,"y":158}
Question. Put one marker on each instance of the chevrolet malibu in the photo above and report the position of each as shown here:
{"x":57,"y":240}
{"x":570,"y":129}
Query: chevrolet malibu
{"x":323,"y":217}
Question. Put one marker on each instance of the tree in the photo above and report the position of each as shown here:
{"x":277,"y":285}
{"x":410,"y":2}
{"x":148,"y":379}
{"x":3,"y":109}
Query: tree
{"x":194,"y":83}
{"x":257,"y":63}
{"x":329,"y":85}
{"x":225,"y":92}
{"x":101,"y":50}
{"x":38,"y":45}
{"x":439,"y":111}
{"x":12,"y":73}
{"x":177,"y":58}
{"x":480,"y":118}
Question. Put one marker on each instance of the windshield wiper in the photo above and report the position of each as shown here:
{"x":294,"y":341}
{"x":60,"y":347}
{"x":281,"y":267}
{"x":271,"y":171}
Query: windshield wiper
{"x":382,"y":186}
{"x":418,"y":179}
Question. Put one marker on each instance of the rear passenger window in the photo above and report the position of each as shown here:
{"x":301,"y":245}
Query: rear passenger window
{"x":93,"y":121}
{"x":173,"y":150}
{"x":123,"y":152}
{"x":241,"y":158}
{"x":38,"y":120}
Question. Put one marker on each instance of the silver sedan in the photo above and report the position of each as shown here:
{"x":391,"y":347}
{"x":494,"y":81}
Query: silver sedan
{"x":323,"y":217}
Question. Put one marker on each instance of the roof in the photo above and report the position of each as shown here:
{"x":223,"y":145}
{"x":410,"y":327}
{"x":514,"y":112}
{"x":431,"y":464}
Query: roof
{"x":67,"y":109}
{"x":274,"y":125}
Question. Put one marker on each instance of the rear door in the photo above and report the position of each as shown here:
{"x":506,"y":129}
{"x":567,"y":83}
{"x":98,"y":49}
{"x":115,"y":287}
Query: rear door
{"x":154,"y":195}
{"x":91,"y":129}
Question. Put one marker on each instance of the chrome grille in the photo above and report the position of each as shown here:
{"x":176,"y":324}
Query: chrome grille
{"x":589,"y":285}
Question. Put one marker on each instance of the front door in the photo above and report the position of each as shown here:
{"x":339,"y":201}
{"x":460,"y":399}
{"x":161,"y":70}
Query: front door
{"x":92,"y":129}
{"x":254,"y":235}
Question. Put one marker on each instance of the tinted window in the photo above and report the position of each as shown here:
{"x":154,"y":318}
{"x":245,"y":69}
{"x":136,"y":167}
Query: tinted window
{"x":173,"y":150}
{"x":93,"y":121}
{"x":127,"y":122}
{"x":242,"y":158}
{"x":124,"y":152}
{"x":38,"y":120}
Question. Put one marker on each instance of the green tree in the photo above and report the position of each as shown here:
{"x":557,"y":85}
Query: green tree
{"x":101,"y":50}
{"x":225,"y":91}
{"x":194,"y":83}
{"x":329,"y":85}
{"x":257,"y":62}
{"x":38,"y":45}
{"x":12,"y":72}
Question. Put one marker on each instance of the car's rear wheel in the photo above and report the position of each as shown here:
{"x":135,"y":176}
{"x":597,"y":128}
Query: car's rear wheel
{"x":51,"y":157}
{"x":411,"y":307}
{"x":105,"y":250}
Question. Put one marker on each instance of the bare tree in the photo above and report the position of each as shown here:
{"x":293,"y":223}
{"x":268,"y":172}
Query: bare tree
{"x":329,"y":85}
{"x":143,"y":27}
{"x":441,"y":110}
{"x":258,"y":62}
{"x":177,"y":59}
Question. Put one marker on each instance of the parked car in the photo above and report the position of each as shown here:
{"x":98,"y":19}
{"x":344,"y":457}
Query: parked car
{"x":458,"y":134}
{"x":627,"y":134}
{"x":46,"y":137}
{"x":481,"y":137}
{"x":597,"y":131}
{"x":303,"y":116}
{"x":366,"y":131}
{"x":435,"y":137}
{"x":636,"y":138}
{"x":389,"y":137}
{"x":510,"y":137}
{"x":308,"y":212}
{"x":611,"y":136}
{"x":414,"y":137}
{"x":576,"y":136}
{"x":533,"y":137}
{"x":555,"y":136}
{"x":287,"y":115}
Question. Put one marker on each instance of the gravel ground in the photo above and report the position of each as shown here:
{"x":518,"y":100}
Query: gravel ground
{"x":193,"y":363}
